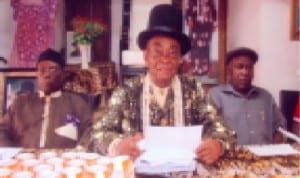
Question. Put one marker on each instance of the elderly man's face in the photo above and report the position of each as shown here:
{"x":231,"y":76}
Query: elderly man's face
{"x":162,"y":56}
{"x":49,"y":75}
{"x":240,"y":72}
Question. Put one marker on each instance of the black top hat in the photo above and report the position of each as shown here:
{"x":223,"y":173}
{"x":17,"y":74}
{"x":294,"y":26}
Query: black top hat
{"x":166,"y":20}
{"x":242,"y":51}
{"x":51,"y":55}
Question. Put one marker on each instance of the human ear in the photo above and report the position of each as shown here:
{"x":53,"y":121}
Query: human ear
{"x":145,"y":56}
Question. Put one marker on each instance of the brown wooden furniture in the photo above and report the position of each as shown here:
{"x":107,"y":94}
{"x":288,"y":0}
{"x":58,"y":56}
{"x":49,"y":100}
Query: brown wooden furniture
{"x":287,"y":103}
{"x":98,"y":80}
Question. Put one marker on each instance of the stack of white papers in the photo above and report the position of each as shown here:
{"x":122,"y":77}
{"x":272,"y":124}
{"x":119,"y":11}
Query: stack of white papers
{"x":9,"y":152}
{"x":273,"y":150}
{"x":165,"y":161}
{"x":169,"y":149}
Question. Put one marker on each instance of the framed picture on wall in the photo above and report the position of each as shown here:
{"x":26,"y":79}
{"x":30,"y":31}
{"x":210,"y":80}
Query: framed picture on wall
{"x":14,"y":83}
{"x":205,"y":24}
{"x":73,"y":55}
{"x":295,"y":20}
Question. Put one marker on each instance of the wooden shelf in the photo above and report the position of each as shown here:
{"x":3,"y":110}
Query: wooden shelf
{"x":95,"y":80}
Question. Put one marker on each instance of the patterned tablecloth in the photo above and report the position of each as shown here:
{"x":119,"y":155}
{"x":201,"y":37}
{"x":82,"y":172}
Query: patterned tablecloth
{"x":237,"y":163}
{"x":241,"y":163}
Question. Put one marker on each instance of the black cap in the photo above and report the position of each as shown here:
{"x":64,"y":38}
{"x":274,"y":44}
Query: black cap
{"x":51,"y":55}
{"x":242,"y":51}
{"x":165,"y":20}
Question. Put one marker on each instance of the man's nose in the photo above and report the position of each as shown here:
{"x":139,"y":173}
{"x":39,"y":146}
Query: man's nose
{"x":165,"y":57}
{"x":246,"y":70}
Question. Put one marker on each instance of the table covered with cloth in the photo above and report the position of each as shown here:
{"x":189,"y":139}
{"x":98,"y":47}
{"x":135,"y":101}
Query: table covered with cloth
{"x":239,"y":162}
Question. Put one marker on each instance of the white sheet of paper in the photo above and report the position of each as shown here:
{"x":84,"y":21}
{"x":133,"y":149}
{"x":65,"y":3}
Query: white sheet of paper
{"x":187,"y":166}
{"x":272,"y":150}
{"x":185,"y":137}
{"x":169,"y":149}
{"x":9,"y":152}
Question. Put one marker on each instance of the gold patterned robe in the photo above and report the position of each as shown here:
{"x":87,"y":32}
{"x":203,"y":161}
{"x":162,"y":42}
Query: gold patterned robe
{"x":124,"y":114}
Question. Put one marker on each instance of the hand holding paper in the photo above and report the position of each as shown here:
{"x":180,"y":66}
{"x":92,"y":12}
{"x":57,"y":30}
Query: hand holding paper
{"x":209,"y":150}
{"x":169,"y":149}
{"x":126,"y":146}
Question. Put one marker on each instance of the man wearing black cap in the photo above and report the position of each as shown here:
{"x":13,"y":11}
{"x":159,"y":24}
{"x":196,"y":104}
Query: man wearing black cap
{"x":251,"y":111}
{"x":51,"y":118}
{"x":161,"y":97}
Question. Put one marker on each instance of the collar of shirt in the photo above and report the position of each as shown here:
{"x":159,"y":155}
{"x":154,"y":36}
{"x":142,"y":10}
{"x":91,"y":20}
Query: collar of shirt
{"x":160,"y":94}
{"x":55,"y":94}
{"x":230,"y":90}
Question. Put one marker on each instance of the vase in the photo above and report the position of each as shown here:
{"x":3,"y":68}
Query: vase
{"x":85,"y":53}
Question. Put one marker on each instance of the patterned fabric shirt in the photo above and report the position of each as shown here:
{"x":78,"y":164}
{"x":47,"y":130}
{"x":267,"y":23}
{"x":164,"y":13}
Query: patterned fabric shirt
{"x":124,"y":115}
{"x":255,"y":117}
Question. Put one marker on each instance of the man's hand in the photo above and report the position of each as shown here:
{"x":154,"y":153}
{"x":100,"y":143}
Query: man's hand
{"x":127,"y":146}
{"x":209,"y":150}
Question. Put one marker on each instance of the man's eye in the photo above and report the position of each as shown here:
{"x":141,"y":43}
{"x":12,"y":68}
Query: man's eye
{"x":52,"y":70}
{"x":41,"y":70}
{"x":239,"y":66}
{"x":156,"y":53}
{"x":175,"y":54}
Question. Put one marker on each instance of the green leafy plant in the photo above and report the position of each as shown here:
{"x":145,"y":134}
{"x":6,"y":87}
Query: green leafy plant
{"x":86,"y":30}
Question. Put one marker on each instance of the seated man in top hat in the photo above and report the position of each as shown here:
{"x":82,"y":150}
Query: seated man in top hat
{"x":161,"y":97}
{"x":51,"y":118}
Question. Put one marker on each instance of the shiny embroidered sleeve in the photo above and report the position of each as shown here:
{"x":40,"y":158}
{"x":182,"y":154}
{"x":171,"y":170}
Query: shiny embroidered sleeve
{"x":108,"y":127}
{"x":215,"y":127}
{"x":120,"y":118}
{"x":214,"y":124}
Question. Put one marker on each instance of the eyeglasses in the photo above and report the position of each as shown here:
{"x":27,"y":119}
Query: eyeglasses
{"x":50,"y":70}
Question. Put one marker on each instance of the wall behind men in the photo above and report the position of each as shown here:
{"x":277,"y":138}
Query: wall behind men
{"x":139,"y":18}
{"x":260,"y":24}
{"x":264,"y":26}
{"x":7,"y":29}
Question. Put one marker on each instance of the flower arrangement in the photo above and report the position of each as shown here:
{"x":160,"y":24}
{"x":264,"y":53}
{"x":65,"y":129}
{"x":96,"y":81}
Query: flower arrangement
{"x":86,"y":30}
